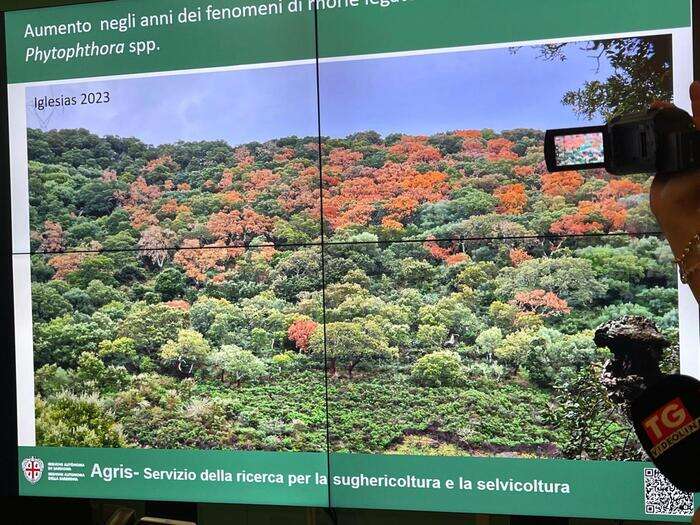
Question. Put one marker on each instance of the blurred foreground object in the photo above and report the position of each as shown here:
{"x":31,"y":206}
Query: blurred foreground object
{"x":664,"y":409}
{"x":637,"y":347}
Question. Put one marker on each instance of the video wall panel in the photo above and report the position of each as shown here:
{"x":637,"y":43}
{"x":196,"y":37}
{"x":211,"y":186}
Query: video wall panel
{"x":174,"y":161}
{"x":270,"y":252}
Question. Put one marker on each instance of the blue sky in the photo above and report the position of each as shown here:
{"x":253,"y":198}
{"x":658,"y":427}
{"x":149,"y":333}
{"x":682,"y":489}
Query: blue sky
{"x":414,"y":94}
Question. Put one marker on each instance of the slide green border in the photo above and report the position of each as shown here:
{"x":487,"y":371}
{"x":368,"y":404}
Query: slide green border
{"x":600,"y":489}
{"x":409,"y":25}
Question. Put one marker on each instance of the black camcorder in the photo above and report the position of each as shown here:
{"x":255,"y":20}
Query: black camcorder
{"x":662,"y":141}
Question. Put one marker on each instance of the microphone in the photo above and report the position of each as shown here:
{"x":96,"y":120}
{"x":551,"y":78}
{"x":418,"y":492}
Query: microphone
{"x":666,"y":419}
{"x":664,"y":409}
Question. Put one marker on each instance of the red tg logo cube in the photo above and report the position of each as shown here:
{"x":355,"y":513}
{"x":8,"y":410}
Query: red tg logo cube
{"x":666,"y":420}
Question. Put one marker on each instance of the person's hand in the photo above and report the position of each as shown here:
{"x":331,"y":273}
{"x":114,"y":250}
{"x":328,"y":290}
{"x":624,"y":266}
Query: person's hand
{"x":675,"y":200}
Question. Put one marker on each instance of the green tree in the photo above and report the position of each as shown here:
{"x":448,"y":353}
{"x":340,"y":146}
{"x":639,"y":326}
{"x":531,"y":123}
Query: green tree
{"x":84,"y":231}
{"x":571,"y":279}
{"x":447,"y":143}
{"x":92,"y":374}
{"x":616,"y":268}
{"x":488,"y":341}
{"x":455,"y":312}
{"x":97,"y":197}
{"x":285,"y":361}
{"x":431,"y":336}
{"x":658,"y":300}
{"x":61,"y":340}
{"x":151,"y":325}
{"x":416,"y":273}
{"x":204,"y":311}
{"x":301,"y":228}
{"x":236,"y":364}
{"x":354,"y":306}
{"x":50,"y":380}
{"x":442,"y":368}
{"x":592,"y":427}
{"x":492,"y":225}
{"x":80,"y":300}
{"x":298,"y":272}
{"x":229,"y":323}
{"x":515,"y":347}
{"x":553,"y":356}
{"x":68,"y":420}
{"x":101,"y":294}
{"x":94,"y":267}
{"x":640,"y":218}
{"x":120,"y":352}
{"x":476,"y":274}
{"x":641,"y":74}
{"x":48,"y":303}
{"x":190,"y":350}
{"x":349,"y":343}
{"x":170,"y":284}
{"x":465,"y":203}
{"x":504,"y":316}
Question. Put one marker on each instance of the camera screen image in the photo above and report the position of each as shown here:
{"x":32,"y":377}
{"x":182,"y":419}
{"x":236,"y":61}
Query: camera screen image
{"x":575,"y":150}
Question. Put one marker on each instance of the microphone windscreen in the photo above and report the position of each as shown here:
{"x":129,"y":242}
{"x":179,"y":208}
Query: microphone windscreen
{"x":666,"y":418}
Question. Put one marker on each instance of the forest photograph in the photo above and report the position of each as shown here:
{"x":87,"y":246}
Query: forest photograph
{"x":415,"y":282}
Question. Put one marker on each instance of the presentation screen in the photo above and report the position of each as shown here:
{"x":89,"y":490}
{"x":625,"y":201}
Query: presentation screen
{"x":308,"y":253}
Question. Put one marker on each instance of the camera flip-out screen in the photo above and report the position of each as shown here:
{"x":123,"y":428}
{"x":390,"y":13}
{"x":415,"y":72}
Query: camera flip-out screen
{"x":586,"y":149}
{"x":576,"y":148}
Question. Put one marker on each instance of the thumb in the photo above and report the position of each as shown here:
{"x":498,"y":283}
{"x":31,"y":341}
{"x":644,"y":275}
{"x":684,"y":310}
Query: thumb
{"x":695,"y":101}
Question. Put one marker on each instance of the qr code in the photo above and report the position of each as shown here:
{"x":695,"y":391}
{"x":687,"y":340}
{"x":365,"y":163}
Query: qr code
{"x":661,"y":498}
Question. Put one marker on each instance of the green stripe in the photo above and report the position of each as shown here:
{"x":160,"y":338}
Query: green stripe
{"x":182,"y":46}
{"x":597,"y":489}
{"x":367,"y":29}
{"x":204,"y":463}
{"x":429,"y":24}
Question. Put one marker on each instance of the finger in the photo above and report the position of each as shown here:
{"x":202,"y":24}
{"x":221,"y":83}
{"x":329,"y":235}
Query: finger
{"x":661,"y":104}
{"x":695,"y":102}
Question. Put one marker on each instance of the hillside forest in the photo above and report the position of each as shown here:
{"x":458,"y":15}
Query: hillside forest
{"x":184,"y":295}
